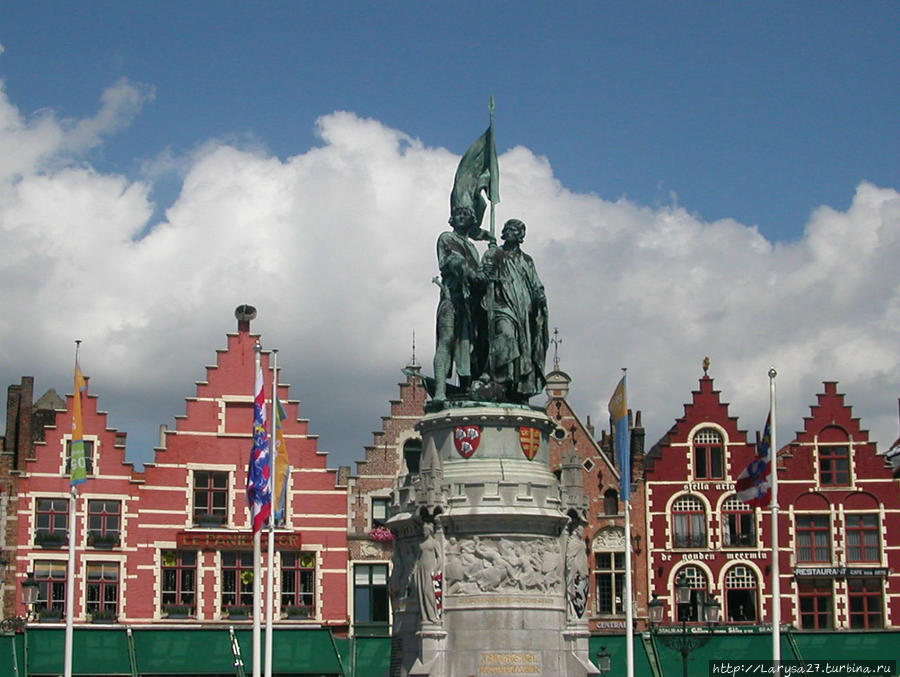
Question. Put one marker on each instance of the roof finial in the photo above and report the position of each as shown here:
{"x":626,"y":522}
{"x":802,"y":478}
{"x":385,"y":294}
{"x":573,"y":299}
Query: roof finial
{"x":705,"y":365}
{"x":556,"y":341}
{"x":413,"y":362}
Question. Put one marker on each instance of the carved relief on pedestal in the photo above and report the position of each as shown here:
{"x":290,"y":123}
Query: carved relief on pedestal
{"x":479,"y":565}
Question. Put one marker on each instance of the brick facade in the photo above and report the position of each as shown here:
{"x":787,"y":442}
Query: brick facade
{"x":175,"y":535}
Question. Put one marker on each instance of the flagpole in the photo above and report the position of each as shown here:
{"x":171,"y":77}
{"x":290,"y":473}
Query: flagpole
{"x":270,"y":563}
{"x":70,"y":583}
{"x":493,"y":178}
{"x":73,"y":497}
{"x":776,"y":583}
{"x":257,"y":556}
{"x":629,"y":613}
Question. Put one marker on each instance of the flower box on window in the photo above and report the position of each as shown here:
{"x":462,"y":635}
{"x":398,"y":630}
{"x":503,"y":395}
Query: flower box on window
{"x":51,"y":540}
{"x":103,"y":541}
{"x":295,"y":613}
{"x":104,"y":616}
{"x":51,"y":615}
{"x":177,"y":610}
{"x":381,"y":534}
{"x":238,"y":612}
{"x":208,"y":519}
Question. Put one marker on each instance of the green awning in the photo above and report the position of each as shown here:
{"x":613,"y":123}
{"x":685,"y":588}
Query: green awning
{"x":171,"y":651}
{"x":615,"y":646}
{"x":867,"y":645}
{"x":94,"y":651}
{"x":12,"y":655}
{"x":371,"y":656}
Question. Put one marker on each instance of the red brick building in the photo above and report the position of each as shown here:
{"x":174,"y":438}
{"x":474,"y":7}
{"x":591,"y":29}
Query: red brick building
{"x":575,"y":441}
{"x":839,"y":521}
{"x":174,"y":540}
{"x":388,"y":462}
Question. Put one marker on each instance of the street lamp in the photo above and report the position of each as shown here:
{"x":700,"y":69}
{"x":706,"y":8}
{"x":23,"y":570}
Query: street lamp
{"x":604,"y":662}
{"x":683,"y":639}
{"x":30,"y":588}
{"x":9,"y":626}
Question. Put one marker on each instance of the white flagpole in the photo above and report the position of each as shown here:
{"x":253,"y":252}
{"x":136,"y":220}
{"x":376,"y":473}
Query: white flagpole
{"x":257,"y":556}
{"x":776,"y":583}
{"x":70,"y":565}
{"x":270,"y":565}
{"x":257,"y":574}
{"x":629,"y":614}
{"x":70,"y":581}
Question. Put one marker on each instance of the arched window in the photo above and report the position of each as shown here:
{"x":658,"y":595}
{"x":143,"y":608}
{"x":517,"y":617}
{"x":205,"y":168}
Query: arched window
{"x":611,"y":502}
{"x":740,"y":594}
{"x":412,"y":454}
{"x":708,"y":457}
{"x":863,"y":535}
{"x":696,"y":581}
{"x":738,"y":524}
{"x":834,"y":457}
{"x":688,"y":523}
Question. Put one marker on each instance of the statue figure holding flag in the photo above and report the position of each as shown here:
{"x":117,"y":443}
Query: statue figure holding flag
{"x":492,"y":316}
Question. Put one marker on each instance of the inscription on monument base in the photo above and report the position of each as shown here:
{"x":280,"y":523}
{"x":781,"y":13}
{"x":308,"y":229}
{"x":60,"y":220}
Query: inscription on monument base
{"x":509,"y":663}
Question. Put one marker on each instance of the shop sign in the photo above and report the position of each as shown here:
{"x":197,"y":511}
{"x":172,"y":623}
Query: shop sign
{"x":231,"y":540}
{"x":839,"y":572}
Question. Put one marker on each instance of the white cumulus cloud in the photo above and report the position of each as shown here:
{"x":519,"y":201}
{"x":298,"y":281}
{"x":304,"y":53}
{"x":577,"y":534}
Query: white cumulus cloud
{"x":335,"y":247}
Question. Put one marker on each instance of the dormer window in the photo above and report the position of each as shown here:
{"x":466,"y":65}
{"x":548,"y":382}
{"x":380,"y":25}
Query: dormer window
{"x":708,"y":457}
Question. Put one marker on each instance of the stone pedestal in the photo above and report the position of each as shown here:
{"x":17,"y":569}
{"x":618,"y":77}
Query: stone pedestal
{"x":499,"y":520}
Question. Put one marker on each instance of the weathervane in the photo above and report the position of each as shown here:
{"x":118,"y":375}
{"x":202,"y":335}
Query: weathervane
{"x":556,"y":340}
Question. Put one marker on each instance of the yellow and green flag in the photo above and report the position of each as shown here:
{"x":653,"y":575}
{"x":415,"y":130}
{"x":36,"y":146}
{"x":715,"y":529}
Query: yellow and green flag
{"x":281,"y":463}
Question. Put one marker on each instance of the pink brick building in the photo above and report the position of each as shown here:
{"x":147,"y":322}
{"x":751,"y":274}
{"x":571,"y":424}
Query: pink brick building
{"x":174,"y":542}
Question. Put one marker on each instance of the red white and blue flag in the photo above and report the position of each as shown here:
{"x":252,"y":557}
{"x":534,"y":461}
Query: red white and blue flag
{"x":754,"y":484}
{"x":259,"y":480}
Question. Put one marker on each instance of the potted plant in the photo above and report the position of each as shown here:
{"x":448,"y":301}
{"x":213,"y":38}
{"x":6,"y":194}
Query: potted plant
{"x":51,"y":539}
{"x":381,"y":534}
{"x":100,"y":540}
{"x":209,"y":519}
{"x":238,"y":612}
{"x":104,"y":616}
{"x":297,"y":612}
{"x":177,"y":610}
{"x":50,"y":615}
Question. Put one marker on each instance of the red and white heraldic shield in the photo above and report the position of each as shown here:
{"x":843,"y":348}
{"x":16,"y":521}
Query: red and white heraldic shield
{"x":529,"y":440}
{"x":466,"y":439}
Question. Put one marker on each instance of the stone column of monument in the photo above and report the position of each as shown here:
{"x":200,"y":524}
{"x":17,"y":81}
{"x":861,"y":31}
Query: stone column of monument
{"x":490,"y":569}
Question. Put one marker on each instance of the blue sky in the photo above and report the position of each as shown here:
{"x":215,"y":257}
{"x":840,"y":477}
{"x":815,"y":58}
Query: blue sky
{"x":754,"y":111}
{"x":726,"y":131}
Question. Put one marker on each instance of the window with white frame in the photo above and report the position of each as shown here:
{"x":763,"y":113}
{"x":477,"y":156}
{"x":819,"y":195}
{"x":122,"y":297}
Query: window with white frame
{"x":688,"y":523}
{"x":863,"y":534}
{"x":102,"y":588}
{"x":741,"y":589}
{"x":813,"y":539}
{"x":696,"y":580}
{"x":609,"y":583}
{"x":738,"y":524}
{"x":708,"y":455}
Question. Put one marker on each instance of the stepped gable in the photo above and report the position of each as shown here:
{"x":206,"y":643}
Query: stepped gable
{"x":108,"y":456}
{"x":831,"y":421}
{"x":384,"y":466}
{"x":705,"y":405}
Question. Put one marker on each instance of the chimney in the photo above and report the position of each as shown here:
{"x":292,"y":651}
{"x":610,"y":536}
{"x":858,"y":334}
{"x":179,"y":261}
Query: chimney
{"x":244,"y":314}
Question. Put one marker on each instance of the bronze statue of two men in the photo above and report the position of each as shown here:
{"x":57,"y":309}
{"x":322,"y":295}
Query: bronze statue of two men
{"x":492,"y":315}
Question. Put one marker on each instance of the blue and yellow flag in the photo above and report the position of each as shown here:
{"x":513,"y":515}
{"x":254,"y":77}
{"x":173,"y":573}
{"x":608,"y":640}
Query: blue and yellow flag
{"x":618,"y":411}
{"x":77,"y":463}
{"x":281,"y":463}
